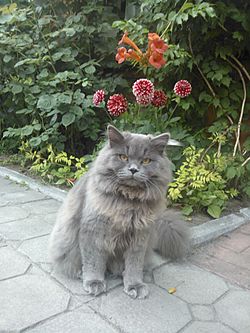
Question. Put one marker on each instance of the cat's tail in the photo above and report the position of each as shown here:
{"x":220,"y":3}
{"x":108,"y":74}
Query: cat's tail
{"x":171,"y":236}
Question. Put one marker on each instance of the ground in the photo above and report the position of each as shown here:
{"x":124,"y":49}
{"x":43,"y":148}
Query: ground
{"x":212,"y":284}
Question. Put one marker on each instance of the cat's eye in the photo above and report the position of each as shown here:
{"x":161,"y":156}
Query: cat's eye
{"x":146,"y":161}
{"x":123,"y":157}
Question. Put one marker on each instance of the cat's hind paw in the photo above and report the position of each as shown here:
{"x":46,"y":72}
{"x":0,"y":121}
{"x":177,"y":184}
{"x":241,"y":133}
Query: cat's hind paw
{"x":95,"y":287}
{"x":140,"y":290}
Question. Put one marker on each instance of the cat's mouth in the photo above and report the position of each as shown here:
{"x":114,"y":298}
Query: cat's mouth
{"x":132,"y":181}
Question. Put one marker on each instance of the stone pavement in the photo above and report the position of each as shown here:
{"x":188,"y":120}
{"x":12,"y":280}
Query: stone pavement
{"x":212,"y":285}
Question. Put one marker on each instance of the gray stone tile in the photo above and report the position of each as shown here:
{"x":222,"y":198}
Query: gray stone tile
{"x":234,"y":310}
{"x":202,"y":327}
{"x":36,"y":249}
{"x":83,"y":320}
{"x":32,"y":226}
{"x":7,"y":186}
{"x":203,"y":312}
{"x":28,"y":299}
{"x":8,"y":214}
{"x":20,"y":197}
{"x":42,"y":207}
{"x":11,"y":263}
{"x":158,"y":313}
{"x":193,"y":285}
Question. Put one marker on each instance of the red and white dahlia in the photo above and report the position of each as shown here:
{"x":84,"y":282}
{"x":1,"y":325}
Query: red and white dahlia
{"x":144,"y":100}
{"x":159,"y":98}
{"x":117,"y":104}
{"x":143,"y":88}
{"x":98,"y":97}
{"x":182,"y":88}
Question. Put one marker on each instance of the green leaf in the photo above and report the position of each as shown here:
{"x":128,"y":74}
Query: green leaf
{"x":214,"y":211}
{"x":24,"y":111}
{"x":68,"y":119}
{"x":16,"y":89}
{"x":77,"y":110}
{"x":187,"y":210}
{"x":90,"y":69}
{"x":64,"y":98}
{"x":231,"y":172}
{"x":34,"y":142}
{"x":27,"y":130}
{"x":46,"y":102}
{"x":158,"y":16}
{"x":7,"y":58}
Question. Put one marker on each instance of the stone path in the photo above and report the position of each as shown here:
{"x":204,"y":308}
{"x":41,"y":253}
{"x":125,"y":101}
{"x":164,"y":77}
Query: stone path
{"x":212,"y":285}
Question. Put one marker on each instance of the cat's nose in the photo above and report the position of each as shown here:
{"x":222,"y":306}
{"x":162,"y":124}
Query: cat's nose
{"x":133,"y":169}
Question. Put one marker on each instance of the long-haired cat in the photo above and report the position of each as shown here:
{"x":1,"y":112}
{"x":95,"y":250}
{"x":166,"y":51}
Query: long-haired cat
{"x":116,"y":215}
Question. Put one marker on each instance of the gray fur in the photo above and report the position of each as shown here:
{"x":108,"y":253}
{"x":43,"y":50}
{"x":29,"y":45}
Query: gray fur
{"x":111,"y":219}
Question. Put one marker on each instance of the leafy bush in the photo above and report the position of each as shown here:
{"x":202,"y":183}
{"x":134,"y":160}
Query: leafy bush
{"x":55,"y":167}
{"x":200,"y":182}
{"x":49,"y":64}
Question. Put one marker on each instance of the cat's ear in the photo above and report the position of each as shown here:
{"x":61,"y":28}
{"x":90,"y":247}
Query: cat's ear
{"x":160,"y":142}
{"x":115,"y":137}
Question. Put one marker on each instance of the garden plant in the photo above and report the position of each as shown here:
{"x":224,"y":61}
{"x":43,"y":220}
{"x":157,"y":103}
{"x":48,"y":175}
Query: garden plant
{"x":179,"y":66}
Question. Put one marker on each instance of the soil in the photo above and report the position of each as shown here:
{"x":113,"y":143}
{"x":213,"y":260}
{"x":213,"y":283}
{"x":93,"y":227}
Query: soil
{"x":233,"y":206}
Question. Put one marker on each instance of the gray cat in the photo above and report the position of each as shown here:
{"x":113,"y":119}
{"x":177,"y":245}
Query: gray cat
{"x":116,"y":214}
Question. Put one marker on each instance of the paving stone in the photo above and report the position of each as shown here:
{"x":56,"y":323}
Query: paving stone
{"x":36,"y":249}
{"x":20,"y":197}
{"x":202,"y":312}
{"x":32,"y":226}
{"x":160,"y":311}
{"x":28,"y":299}
{"x":202,"y":327}
{"x":245,"y":228}
{"x":239,"y":259}
{"x":11,"y":263}
{"x":234,"y":310}
{"x":235,"y":241}
{"x":226,"y":270}
{"x":8,"y":214}
{"x":7,"y":186}
{"x":193,"y":285}
{"x":43,"y":206}
{"x":75,"y":285}
{"x":83,"y":320}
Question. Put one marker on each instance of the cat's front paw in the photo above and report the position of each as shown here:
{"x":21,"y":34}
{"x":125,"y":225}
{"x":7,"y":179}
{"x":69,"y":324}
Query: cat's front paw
{"x":94,"y":287}
{"x":140,"y":290}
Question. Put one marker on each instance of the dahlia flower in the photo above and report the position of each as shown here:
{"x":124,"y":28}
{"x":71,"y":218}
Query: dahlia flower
{"x":98,"y":97}
{"x":159,"y":98}
{"x":143,"y":88}
{"x":182,"y":88}
{"x":117,"y":104}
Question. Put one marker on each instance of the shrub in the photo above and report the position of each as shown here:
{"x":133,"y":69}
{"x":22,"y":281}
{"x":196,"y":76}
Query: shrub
{"x":49,"y":63}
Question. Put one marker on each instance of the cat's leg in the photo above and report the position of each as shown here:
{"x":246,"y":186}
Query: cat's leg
{"x":133,"y":274}
{"x":94,"y":259}
{"x":115,"y":266}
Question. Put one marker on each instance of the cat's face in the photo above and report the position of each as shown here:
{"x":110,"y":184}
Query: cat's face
{"x":135,"y":162}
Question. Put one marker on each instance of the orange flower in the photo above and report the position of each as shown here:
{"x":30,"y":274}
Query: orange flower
{"x":156,"y":60}
{"x":121,"y":55}
{"x":126,"y":40}
{"x":153,"y":36}
{"x":159,"y":46}
{"x":134,"y":55}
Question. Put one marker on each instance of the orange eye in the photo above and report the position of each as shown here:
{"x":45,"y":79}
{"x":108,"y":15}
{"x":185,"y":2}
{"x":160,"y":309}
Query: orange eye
{"x":123,"y":157}
{"x":146,"y":161}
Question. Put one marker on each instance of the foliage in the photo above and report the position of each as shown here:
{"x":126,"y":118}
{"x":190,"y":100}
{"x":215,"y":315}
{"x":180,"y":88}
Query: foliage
{"x":200,"y":182}
{"x":49,"y":63}
{"x":56,"y":167}
{"x":217,"y":70}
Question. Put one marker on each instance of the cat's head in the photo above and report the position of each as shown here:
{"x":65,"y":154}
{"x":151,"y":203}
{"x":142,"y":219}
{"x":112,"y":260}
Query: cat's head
{"x":134,"y":165}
